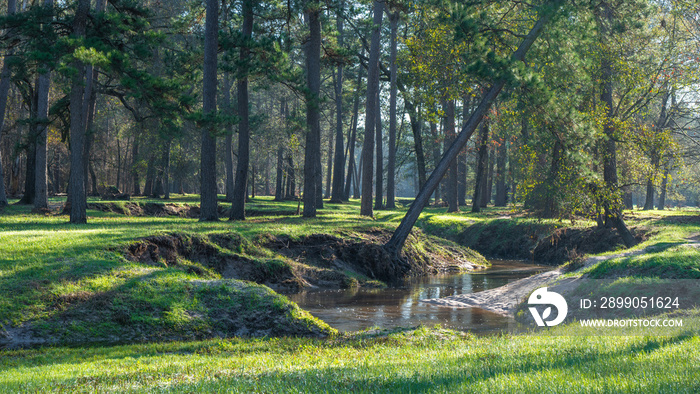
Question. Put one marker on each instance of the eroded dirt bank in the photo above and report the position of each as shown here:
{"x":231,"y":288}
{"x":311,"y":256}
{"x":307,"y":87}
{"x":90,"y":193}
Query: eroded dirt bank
{"x":542,"y":243}
{"x":318,"y":260}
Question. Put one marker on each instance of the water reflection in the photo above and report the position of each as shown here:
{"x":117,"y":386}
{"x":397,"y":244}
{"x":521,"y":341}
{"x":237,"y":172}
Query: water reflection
{"x":399,"y":306}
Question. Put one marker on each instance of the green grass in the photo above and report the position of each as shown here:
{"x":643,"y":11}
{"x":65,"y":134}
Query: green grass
{"x":47,"y":267}
{"x":425,"y":360}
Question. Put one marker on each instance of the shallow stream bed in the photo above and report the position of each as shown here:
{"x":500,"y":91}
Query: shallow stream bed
{"x":400,"y":306}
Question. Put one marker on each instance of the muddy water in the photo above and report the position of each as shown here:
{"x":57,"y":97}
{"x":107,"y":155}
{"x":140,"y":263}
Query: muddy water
{"x":399,"y":306}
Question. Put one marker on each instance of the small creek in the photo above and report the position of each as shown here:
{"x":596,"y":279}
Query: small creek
{"x":400,"y":306}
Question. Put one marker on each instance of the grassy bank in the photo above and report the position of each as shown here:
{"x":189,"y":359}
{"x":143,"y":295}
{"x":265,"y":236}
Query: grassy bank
{"x":97,"y":283}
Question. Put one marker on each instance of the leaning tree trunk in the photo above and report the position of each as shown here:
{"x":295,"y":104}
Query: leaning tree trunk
{"x":391,"y":162}
{"x":312,"y":154}
{"x":339,"y":160}
{"x":78,"y":204}
{"x":395,"y":244}
{"x":208,"y":196}
{"x":370,"y":110}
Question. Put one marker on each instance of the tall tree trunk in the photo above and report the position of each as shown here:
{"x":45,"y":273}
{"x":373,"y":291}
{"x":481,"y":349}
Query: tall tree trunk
{"x":662,"y":196}
{"x":489,"y":179}
{"x":395,"y":244}
{"x":462,"y":160}
{"x":93,"y":178}
{"x":150,"y":176}
{"x":481,"y":161}
{"x":370,"y":110}
{"x":339,"y":160}
{"x":5,"y":76}
{"x":134,"y":166}
{"x":649,"y":201}
{"x":30,"y":173}
{"x":242,"y":164}
{"x":436,"y":156}
{"x":312,"y":154}
{"x":166,"y":170}
{"x":612,"y":211}
{"x":416,"y":128}
{"x":41,"y":199}
{"x":550,"y":208}
{"x":78,"y":204}
{"x":353,"y":137}
{"x":279,"y":189}
{"x":452,"y":198}
{"x":501,"y":194}
{"x":208,"y":196}
{"x":379,"y":181}
{"x":292,"y":193}
{"x":391,"y":163}
{"x":329,"y":162}
{"x":228,"y":144}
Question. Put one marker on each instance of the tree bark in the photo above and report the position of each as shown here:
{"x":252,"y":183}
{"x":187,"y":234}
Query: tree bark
{"x":462,"y":160}
{"x":481,"y":167}
{"x":78,"y":205}
{"x":416,"y":129}
{"x":134,"y":166}
{"x":243,"y":162}
{"x":436,"y":156}
{"x":329,"y":162}
{"x":452,"y":198}
{"x":228,"y":144}
{"x":370,"y":110}
{"x":5,"y":76}
{"x":612,"y":210}
{"x":339,"y":160}
{"x":395,"y":244}
{"x":501,"y":195}
{"x":312,"y":154}
{"x":279,"y":188}
{"x":208,"y":196}
{"x":166,"y":170}
{"x":41,"y":198}
{"x":391,"y":163}
{"x":662,"y":196}
{"x":490,"y":178}
{"x":353,"y":137}
{"x":379,"y":181}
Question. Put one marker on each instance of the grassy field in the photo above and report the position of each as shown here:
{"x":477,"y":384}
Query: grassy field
{"x":425,"y":360}
{"x":47,"y":266}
